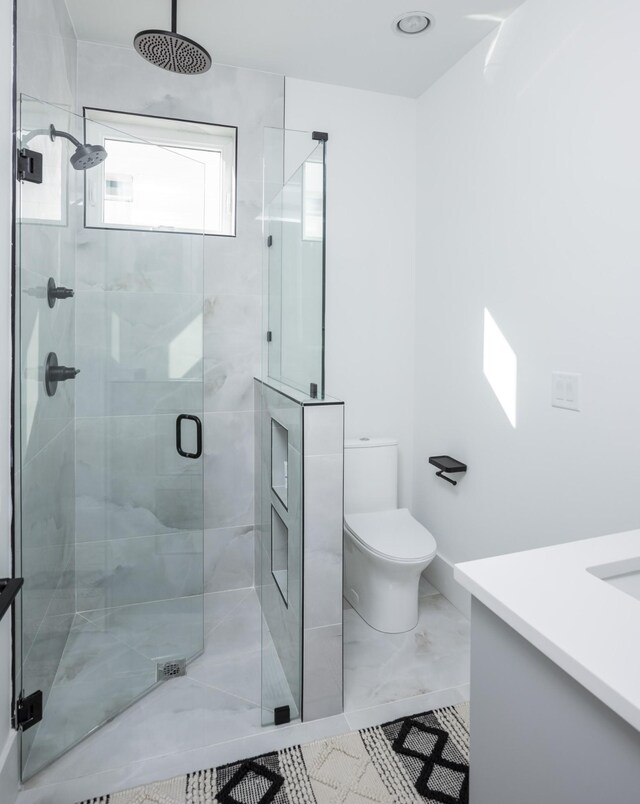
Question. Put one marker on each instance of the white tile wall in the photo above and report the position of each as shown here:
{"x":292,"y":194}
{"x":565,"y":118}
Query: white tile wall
{"x":323,"y":529}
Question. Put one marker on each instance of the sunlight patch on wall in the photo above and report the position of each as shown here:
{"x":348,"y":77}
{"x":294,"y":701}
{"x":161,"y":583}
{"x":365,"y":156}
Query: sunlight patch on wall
{"x":500,"y":366}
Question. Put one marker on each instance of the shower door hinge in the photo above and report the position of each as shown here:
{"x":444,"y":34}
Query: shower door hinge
{"x":269,"y":336}
{"x":320,"y":136}
{"x":29,"y":166}
{"x":269,"y":241}
{"x":29,"y":710}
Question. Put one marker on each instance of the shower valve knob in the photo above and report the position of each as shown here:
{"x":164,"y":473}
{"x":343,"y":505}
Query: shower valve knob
{"x":53,"y":373}
{"x":54,"y":292}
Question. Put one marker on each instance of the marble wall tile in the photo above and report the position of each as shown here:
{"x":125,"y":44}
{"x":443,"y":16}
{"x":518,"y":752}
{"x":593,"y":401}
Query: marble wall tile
{"x":46,"y":51}
{"x":140,"y":262}
{"x":120,"y":572}
{"x":131,"y":339}
{"x":230,"y":318}
{"x":226,"y":95}
{"x":323,"y":558}
{"x":234,"y":264}
{"x":228,"y":559}
{"x":47,"y":539}
{"x":228,"y":468}
{"x":129,"y":466}
{"x":232,"y":350}
{"x":323,"y":429}
{"x":322,"y":672}
{"x":47,"y":249}
{"x":323,"y":534}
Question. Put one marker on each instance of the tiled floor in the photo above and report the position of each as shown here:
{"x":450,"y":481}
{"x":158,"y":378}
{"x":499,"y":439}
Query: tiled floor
{"x":111,"y":657}
{"x":384,"y":668}
{"x":213,"y":715}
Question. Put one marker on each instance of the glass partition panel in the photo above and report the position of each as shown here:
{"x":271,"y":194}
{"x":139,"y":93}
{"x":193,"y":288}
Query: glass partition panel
{"x":279,"y":549}
{"x":295,"y":237}
{"x":292,"y":370}
{"x":111,"y":487}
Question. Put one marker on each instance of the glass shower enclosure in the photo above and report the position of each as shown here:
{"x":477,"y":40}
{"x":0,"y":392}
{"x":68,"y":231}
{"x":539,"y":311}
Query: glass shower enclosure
{"x":108,"y":460}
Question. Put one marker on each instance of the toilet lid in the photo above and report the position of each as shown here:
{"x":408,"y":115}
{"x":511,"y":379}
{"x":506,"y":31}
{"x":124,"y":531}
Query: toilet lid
{"x":395,"y":534}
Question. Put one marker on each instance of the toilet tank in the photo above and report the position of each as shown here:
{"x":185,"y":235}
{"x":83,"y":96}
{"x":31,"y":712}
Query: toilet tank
{"x":370,"y":475}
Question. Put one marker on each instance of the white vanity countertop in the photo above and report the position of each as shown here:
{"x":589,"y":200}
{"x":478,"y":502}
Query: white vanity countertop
{"x":585,"y":625}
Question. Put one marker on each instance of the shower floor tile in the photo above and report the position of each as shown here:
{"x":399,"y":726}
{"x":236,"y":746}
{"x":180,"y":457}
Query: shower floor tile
{"x":111,"y":657}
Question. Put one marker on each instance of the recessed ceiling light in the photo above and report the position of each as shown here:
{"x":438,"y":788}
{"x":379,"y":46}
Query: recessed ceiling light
{"x":412,"y":23}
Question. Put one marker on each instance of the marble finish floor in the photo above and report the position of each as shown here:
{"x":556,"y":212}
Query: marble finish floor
{"x":110,"y":659}
{"x":382,"y":668}
{"x":213,"y":716}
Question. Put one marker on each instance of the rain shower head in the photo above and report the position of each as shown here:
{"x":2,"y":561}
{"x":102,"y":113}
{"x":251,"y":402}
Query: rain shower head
{"x":85,"y":156}
{"x":172,"y":51}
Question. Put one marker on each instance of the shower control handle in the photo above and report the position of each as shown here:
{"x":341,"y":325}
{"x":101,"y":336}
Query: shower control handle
{"x":54,"y":373}
{"x":54,"y":292}
{"x":182,"y":417}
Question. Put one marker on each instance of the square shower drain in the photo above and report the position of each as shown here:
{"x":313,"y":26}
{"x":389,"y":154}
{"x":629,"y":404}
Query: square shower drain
{"x":171,"y":669}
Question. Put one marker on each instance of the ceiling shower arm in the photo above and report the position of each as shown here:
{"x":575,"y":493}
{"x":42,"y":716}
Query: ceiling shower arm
{"x":174,"y":16}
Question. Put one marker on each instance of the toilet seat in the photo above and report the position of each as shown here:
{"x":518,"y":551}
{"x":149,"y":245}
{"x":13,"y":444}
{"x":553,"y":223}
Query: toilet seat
{"x":394,"y":534}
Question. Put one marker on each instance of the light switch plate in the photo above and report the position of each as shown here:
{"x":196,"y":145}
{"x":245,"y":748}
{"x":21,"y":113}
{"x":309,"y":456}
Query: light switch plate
{"x":565,"y":390}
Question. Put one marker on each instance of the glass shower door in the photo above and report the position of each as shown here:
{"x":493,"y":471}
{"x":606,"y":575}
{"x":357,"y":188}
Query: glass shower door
{"x":109,"y":462}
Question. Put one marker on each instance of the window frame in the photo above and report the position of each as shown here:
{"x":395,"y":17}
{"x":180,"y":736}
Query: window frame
{"x":138,"y":131}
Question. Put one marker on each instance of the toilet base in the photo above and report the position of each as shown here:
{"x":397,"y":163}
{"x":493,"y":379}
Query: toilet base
{"x":383,"y":592}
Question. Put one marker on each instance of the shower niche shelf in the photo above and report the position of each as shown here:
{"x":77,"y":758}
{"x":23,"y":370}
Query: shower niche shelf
{"x":279,"y":461}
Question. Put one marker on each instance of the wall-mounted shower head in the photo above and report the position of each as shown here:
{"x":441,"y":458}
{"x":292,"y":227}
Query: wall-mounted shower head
{"x":85,"y":156}
{"x":172,"y":51}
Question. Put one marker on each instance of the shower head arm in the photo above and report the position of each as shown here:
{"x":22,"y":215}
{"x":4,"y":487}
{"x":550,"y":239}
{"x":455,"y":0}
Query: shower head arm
{"x":53,"y":133}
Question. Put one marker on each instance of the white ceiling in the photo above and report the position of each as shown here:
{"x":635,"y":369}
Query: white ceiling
{"x":347,"y":42}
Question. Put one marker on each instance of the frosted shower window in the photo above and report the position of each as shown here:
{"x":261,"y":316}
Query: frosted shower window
{"x":131,"y":189}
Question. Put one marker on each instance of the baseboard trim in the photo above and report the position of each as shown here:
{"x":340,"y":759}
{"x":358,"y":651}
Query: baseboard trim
{"x":440,"y":574}
{"x":10,"y":769}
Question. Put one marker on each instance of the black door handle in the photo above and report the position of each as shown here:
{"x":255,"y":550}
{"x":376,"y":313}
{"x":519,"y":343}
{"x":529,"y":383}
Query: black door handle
{"x":179,"y":421}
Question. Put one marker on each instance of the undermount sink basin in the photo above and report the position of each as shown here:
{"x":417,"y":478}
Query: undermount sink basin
{"x":624,"y":575}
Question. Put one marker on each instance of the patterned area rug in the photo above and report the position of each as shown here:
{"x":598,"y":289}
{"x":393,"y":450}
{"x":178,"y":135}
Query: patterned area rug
{"x":423,"y":758}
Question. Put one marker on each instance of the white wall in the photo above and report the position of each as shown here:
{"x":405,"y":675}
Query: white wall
{"x":370,"y":254}
{"x":6,"y":78}
{"x":529,"y":182}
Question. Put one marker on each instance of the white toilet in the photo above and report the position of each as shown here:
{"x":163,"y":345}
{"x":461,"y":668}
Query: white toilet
{"x":385,"y":548}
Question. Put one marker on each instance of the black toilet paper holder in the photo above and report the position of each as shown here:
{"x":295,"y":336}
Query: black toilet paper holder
{"x":445,"y":463}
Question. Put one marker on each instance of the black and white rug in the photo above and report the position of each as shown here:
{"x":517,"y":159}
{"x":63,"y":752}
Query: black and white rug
{"x":417,"y":759}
